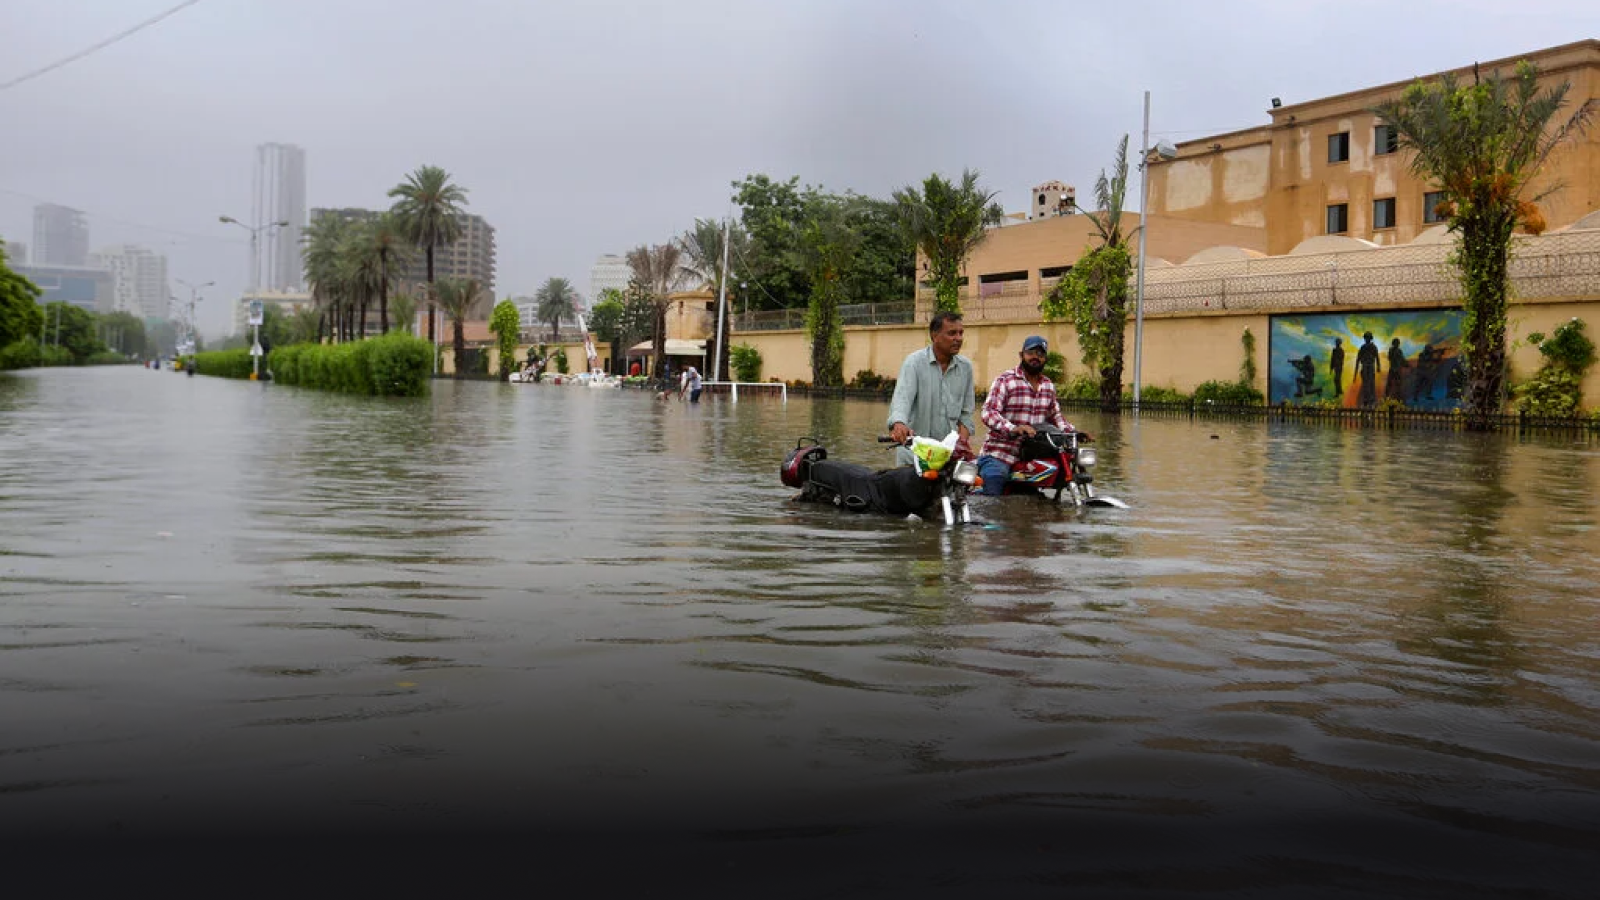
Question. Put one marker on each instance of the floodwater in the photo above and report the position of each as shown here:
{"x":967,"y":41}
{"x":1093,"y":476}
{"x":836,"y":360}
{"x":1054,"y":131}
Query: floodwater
{"x":577,"y":624}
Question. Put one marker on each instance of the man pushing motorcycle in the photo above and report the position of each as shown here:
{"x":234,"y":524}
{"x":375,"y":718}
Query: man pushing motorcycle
{"x":1019,"y":399}
{"x":934,"y":395}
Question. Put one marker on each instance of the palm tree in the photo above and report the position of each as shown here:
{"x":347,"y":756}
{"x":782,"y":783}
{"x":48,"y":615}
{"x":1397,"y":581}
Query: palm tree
{"x":456,"y":296}
{"x":557,"y":301}
{"x":659,"y":269}
{"x":404,"y":307}
{"x":1482,"y":144}
{"x":323,"y":240}
{"x":392,"y":247}
{"x":947,"y":222}
{"x":429,"y":209}
{"x":704,"y":251}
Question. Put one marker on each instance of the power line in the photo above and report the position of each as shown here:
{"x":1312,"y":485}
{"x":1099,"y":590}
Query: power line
{"x":100,"y":46}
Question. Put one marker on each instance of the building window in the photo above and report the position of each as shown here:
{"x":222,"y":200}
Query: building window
{"x":1385,"y":140}
{"x":1383,"y":213}
{"x":1339,"y":147}
{"x":1339,"y":218}
{"x":1430,"y":207}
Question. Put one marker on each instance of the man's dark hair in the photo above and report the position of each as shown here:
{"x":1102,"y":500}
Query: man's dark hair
{"x":936,"y":324}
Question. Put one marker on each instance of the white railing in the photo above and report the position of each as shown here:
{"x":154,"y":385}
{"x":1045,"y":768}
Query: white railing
{"x":733,"y":387}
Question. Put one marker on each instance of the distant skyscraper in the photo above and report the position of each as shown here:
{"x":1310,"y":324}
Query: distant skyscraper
{"x":139,"y":279}
{"x":60,"y":236}
{"x":280,"y":196}
{"x":609,"y":271}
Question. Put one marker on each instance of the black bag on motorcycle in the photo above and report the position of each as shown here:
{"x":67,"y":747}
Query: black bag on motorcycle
{"x":855,"y":487}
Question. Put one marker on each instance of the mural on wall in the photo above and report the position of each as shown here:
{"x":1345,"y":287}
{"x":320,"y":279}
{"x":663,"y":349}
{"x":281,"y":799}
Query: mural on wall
{"x":1361,"y":359}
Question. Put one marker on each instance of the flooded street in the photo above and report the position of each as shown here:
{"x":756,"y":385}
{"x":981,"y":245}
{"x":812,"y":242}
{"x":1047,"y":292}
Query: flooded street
{"x":1308,"y":659}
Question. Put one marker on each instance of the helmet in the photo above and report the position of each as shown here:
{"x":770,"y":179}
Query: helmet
{"x":797,"y":465}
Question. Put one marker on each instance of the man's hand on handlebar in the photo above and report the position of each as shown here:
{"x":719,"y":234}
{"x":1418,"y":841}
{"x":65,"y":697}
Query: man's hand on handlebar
{"x":901,"y":433}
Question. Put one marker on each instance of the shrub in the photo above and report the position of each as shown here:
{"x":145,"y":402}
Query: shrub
{"x":20,"y":354}
{"x":233,"y":363}
{"x":560,"y":358}
{"x":1557,"y":388}
{"x":1227,"y":393}
{"x":1152,"y":394}
{"x":867,"y":380}
{"x":1083,"y":387}
{"x":745,"y":361}
{"x":394,"y":365}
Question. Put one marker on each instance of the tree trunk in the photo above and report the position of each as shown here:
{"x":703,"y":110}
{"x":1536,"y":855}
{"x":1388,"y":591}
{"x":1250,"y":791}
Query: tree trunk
{"x":658,"y":341}
{"x":431,"y":295}
{"x":1485,"y":258}
{"x":459,"y":345}
{"x":361,"y":321}
{"x":383,"y":294}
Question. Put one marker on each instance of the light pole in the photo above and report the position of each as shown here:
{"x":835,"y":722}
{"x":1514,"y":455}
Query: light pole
{"x":194,"y":290}
{"x":255,"y":281}
{"x":1165,"y":151}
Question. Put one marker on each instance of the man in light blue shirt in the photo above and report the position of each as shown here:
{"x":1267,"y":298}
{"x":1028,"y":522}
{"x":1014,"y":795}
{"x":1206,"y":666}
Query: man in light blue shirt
{"x":934,"y":394}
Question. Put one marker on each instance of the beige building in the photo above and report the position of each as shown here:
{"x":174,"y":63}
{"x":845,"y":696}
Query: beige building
{"x":1328,"y":166}
{"x":1016,"y":266}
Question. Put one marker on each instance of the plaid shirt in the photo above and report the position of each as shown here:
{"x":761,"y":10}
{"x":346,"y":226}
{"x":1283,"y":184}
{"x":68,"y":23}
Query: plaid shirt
{"x":1012,"y":401}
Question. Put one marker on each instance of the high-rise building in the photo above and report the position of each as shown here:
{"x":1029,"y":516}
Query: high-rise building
{"x":139,"y":278}
{"x":610,"y":271}
{"x":280,"y":196}
{"x":60,"y":236}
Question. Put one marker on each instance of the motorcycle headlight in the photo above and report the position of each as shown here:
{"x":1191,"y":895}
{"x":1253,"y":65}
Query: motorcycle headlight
{"x":1087,"y":458}
{"x":965,"y":472}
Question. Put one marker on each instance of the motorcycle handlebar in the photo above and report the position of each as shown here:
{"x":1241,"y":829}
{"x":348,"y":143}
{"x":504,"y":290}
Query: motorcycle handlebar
{"x":886,"y":439}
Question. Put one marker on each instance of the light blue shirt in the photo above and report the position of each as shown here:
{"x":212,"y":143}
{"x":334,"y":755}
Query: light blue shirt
{"x":933,"y":401}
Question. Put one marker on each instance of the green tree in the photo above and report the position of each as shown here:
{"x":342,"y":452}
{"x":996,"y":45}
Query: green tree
{"x":828,"y":243}
{"x":20,"y":315}
{"x":1482,"y":143}
{"x":557,"y":300}
{"x":325,"y":269}
{"x":303,"y":325}
{"x":884,"y":266}
{"x":773,"y":214}
{"x":123,"y":332}
{"x":605,"y":320}
{"x":456,"y":296}
{"x":429,"y":209}
{"x":1093,"y":294}
{"x":73,"y":329}
{"x":505,"y":322}
{"x":404,"y":307}
{"x":388,"y":242}
{"x":658,"y":269}
{"x":947,"y":221}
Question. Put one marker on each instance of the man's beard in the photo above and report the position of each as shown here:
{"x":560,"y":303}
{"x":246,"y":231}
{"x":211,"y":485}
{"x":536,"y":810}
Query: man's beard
{"x":1033,"y":366}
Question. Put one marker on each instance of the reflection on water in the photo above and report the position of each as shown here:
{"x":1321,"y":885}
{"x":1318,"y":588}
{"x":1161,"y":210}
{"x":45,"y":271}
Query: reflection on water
{"x":1355,"y":661}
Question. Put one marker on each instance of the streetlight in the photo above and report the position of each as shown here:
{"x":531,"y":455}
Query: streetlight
{"x":255,"y":281}
{"x":194,"y":289}
{"x":1165,"y":151}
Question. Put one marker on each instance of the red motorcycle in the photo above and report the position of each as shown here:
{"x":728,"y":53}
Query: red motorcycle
{"x":1056,"y":460}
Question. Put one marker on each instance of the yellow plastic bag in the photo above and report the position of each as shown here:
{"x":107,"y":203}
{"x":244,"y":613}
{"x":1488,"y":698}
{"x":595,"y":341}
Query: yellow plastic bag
{"x":932,"y":455}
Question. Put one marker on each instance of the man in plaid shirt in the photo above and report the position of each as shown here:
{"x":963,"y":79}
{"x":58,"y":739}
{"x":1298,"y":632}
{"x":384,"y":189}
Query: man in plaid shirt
{"x":1019,"y":399}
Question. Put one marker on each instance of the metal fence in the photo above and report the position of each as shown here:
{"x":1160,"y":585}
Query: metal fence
{"x":850,"y":314}
{"x":1564,"y":264}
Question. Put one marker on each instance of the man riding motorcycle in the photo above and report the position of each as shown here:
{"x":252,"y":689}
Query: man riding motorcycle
{"x":1019,"y":399}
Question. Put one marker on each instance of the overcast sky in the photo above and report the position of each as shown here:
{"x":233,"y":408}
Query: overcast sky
{"x":582,"y":128}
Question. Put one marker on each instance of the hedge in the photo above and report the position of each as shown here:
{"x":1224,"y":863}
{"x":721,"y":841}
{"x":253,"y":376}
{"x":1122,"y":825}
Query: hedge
{"x":224,"y":363}
{"x":395,"y":365}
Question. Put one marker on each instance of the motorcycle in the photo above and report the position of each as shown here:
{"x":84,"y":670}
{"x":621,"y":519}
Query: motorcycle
{"x":905,"y":490}
{"x":1056,"y":460}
